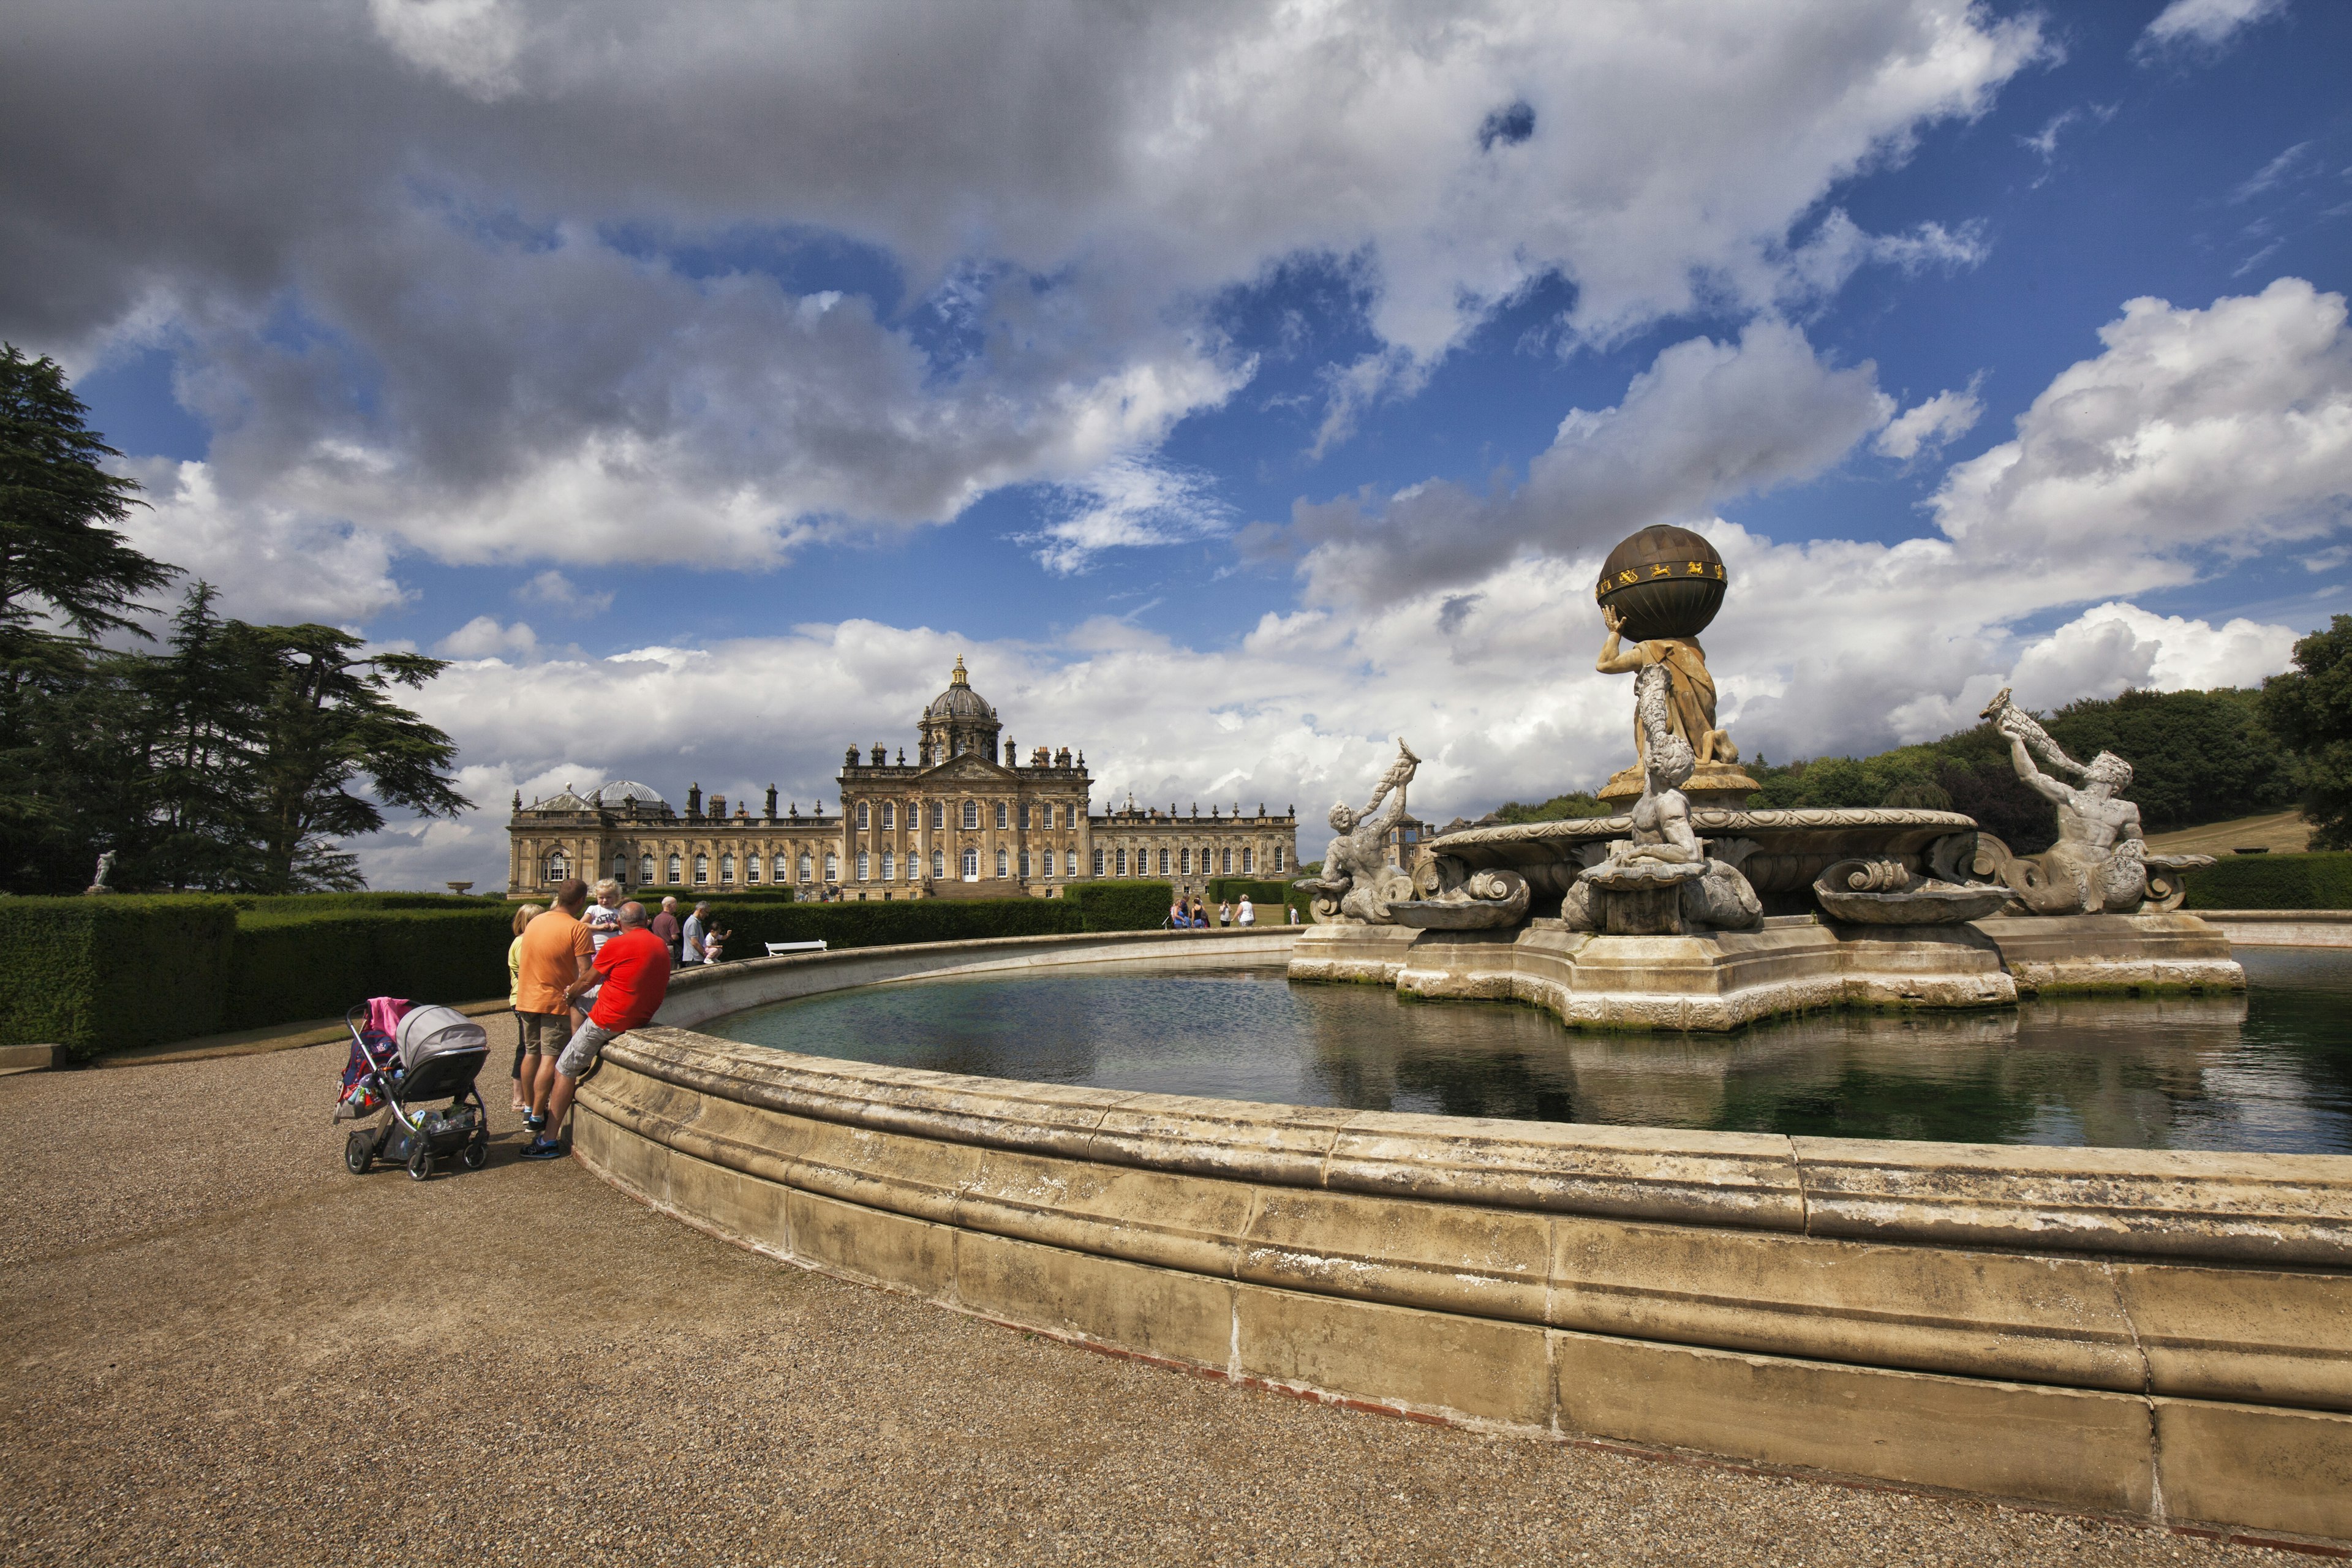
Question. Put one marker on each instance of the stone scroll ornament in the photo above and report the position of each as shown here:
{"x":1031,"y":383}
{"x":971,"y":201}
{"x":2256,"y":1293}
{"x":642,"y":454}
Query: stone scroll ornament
{"x":1664,"y":878}
{"x":1358,"y":880}
{"x":2100,"y":863}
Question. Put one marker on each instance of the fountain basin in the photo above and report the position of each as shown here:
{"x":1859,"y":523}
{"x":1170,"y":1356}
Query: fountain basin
{"x":2159,"y":1335}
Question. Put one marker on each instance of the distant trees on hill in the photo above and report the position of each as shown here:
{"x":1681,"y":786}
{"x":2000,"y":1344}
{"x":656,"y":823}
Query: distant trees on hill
{"x":2196,"y":757}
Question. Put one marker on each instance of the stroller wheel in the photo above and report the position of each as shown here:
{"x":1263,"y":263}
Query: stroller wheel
{"x":420,"y":1163}
{"x":359,"y":1153}
{"x":476,"y":1153}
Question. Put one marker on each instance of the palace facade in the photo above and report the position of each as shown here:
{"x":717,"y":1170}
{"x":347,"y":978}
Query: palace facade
{"x":954,"y":822}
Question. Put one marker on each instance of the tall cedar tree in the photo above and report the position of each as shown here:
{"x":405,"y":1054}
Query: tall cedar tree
{"x":2310,"y":708}
{"x":329,"y":718}
{"x":65,"y":576}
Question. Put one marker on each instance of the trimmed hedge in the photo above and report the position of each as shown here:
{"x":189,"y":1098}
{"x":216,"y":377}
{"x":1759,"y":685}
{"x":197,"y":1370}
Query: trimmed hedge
{"x":321,"y":903}
{"x":282,"y":968}
{"x":753,"y":925}
{"x":1122,"y":905}
{"x":109,"y":973}
{"x":2321,"y":880}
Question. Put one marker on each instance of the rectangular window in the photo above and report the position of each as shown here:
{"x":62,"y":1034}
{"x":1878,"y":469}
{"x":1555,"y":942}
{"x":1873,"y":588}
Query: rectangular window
{"x":1247,"y":855}
{"x":889,"y":863}
{"x":972,"y":814}
{"x":971,"y":865}
{"x":1098,"y":862}
{"x":862,"y":814}
{"x":1000,"y":816}
{"x":889,"y":814}
{"x":1122,"y":863}
{"x":864,"y":867}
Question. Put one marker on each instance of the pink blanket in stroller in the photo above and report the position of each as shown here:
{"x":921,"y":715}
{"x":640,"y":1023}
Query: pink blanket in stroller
{"x":373,"y":1051}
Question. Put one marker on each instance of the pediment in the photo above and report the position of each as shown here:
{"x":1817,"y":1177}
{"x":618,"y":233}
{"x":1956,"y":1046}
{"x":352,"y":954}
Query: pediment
{"x":967,"y":768}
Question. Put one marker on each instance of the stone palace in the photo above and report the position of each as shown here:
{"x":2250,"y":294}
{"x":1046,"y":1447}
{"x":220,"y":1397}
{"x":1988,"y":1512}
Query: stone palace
{"x":954,"y":822}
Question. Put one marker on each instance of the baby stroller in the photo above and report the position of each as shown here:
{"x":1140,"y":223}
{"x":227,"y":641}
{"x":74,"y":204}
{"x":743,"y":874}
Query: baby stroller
{"x":402,"y":1055}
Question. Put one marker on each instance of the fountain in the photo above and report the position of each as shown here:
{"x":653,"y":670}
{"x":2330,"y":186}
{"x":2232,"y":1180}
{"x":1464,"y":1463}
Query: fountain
{"x":1691,"y":911}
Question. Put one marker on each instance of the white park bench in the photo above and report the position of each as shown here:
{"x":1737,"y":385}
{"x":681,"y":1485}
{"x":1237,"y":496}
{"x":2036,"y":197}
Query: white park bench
{"x":777,"y":949}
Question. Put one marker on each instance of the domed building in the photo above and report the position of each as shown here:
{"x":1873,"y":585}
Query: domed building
{"x":957,"y":822}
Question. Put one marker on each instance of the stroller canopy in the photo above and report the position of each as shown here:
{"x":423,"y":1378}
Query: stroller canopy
{"x":430,"y":1032}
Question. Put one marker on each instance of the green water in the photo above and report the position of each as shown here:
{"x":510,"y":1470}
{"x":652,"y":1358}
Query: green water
{"x":2269,"y":1070}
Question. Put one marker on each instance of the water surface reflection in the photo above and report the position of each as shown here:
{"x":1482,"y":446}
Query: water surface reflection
{"x":2271,"y":1071}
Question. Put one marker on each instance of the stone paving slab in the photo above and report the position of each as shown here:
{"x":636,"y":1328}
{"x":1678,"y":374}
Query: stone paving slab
{"x":219,"y":1347}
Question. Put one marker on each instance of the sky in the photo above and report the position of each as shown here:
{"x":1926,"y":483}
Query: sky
{"x":1236,"y":388}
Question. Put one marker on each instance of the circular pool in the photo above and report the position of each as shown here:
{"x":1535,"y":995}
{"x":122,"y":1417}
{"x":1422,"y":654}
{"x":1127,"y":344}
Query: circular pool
{"x":2269,"y":1070}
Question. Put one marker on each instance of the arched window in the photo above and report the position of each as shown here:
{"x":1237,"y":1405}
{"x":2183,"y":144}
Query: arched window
{"x":701,"y":871}
{"x":1278,"y":856}
{"x":782,"y":871}
{"x":832,"y":867}
{"x":807,"y":869}
{"x":751,"y":867}
{"x":644,"y":868}
{"x":1184,"y":861}
{"x":864,"y":867}
{"x":672,"y":878}
{"x":1226,"y":858}
{"x":727,"y":870}
{"x":1247,"y":855}
{"x":1002,"y":868}
{"x":1046,"y":869}
{"x":1000,"y":816}
{"x":1024,"y":861}
{"x":971,"y":865}
{"x":1098,"y":862}
{"x":558,"y":867}
{"x":938,"y":816}
{"x":1121,"y":862}
{"x":890,"y":865}
{"x":1163,"y":862}
{"x":972,"y":814}
{"x":862,"y":815}
{"x":1024,"y":814}
{"x":889,"y":814}
{"x":939,"y":864}
{"x":620,"y":865}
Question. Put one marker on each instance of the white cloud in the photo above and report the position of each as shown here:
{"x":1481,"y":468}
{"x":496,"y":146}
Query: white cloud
{"x":2270,"y":174}
{"x":1125,"y":504}
{"x":2113,"y":646}
{"x":269,"y":563}
{"x":559,"y":592}
{"x":2221,"y":431}
{"x":1929,"y":426}
{"x":1705,"y":422}
{"x":2202,"y":24}
{"x":467,"y":211}
{"x":484,"y":638}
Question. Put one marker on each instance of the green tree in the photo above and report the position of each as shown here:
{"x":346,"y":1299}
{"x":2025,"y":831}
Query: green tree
{"x":329,"y":720}
{"x":2309,"y":709}
{"x":1559,"y":808}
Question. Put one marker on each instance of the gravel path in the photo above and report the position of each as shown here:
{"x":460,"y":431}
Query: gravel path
{"x":221,"y":1348}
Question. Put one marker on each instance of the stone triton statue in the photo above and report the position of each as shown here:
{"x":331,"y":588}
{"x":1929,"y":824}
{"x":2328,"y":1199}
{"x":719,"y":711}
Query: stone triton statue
{"x":1662,"y":879}
{"x":2099,"y":863}
{"x":1358,"y":880}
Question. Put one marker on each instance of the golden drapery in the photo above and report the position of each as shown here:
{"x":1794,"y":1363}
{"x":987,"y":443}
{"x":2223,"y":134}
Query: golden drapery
{"x":1690,"y":691}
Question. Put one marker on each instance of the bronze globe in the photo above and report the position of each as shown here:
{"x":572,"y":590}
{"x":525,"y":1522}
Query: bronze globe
{"x":1666,"y":581}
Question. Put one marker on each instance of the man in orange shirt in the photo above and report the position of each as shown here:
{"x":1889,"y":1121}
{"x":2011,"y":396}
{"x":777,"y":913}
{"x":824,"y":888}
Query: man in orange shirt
{"x":557,"y":950}
{"x":631,"y":977}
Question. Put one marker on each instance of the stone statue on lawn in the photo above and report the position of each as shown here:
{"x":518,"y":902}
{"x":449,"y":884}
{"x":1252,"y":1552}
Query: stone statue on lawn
{"x":1358,"y":880}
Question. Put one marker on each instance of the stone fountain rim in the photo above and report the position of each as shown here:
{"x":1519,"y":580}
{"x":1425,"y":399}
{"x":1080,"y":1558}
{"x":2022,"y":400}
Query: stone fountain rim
{"x":1715,"y":817}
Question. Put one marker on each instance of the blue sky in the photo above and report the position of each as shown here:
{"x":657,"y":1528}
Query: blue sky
{"x":1201,"y":376}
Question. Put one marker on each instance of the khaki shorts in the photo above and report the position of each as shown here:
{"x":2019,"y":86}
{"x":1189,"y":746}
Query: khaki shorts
{"x":544,"y":1034}
{"x":585,"y":1047}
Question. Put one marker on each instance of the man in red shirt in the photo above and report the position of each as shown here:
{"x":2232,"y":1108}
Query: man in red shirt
{"x":631,"y":975}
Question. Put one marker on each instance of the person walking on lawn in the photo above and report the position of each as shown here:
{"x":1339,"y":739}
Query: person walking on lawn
{"x":631,"y":977}
{"x":1245,"y":913}
{"x":553,"y":965}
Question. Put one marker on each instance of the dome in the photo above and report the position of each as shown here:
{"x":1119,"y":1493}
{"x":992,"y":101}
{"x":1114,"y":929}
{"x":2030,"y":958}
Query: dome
{"x":620,"y":790}
{"x":959,"y":701}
